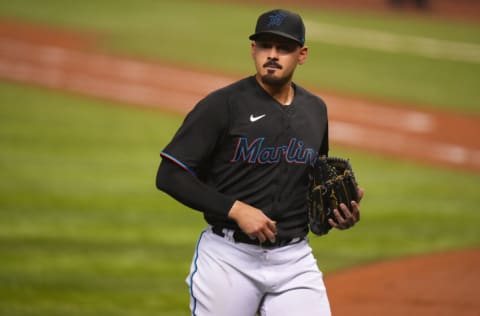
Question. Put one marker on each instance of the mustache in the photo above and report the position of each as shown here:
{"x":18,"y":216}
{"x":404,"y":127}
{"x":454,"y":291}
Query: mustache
{"x":272,"y":63}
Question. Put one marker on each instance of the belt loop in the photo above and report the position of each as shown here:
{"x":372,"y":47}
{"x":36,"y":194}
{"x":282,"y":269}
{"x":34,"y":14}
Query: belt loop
{"x":228,"y":234}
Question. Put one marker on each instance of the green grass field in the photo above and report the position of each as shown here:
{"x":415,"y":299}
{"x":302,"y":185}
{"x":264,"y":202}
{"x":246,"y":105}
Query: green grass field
{"x":83,"y":231}
{"x":213,"y":35}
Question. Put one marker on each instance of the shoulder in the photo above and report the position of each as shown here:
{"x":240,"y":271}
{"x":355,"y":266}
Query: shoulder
{"x":309,"y":98}
{"x":222,"y":99}
{"x":216,"y":106}
{"x":239,"y":87}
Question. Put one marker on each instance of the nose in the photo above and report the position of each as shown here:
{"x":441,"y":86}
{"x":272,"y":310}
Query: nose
{"x":273,"y":52}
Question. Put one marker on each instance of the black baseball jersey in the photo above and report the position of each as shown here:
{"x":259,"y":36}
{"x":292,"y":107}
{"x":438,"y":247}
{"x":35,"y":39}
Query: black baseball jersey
{"x":242,"y":142}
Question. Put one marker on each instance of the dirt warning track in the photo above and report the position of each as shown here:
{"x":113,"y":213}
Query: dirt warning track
{"x":441,"y":284}
{"x":432,"y":137}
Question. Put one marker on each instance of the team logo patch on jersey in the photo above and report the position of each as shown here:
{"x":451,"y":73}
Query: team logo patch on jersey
{"x":256,"y":152}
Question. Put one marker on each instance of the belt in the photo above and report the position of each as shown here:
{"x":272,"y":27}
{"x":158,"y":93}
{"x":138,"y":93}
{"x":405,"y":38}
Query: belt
{"x":240,"y":237}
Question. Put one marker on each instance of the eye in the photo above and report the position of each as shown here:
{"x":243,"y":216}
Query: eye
{"x":264,"y":45}
{"x":286,"y":48}
{"x":282,"y":47}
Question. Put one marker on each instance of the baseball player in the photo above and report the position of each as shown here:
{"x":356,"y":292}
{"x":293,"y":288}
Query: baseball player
{"x":241,"y":157}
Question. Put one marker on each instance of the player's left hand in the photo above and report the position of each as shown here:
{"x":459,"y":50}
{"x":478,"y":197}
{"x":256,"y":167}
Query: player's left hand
{"x":346,"y":219}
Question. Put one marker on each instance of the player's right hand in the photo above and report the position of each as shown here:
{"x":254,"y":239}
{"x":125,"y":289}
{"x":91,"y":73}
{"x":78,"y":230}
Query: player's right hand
{"x":253,"y":222}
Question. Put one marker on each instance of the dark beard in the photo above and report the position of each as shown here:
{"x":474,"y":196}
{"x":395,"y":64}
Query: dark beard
{"x":271,"y":80}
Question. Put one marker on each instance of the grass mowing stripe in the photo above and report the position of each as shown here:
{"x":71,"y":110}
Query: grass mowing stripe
{"x":85,"y":232}
{"x":390,"y":42}
{"x":171,"y":31}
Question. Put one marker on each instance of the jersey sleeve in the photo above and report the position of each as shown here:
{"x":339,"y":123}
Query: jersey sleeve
{"x":196,"y":138}
{"x":190,"y":191}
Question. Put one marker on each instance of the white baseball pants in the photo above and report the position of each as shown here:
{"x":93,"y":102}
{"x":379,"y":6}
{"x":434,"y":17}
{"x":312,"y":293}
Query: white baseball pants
{"x":236,"y":279}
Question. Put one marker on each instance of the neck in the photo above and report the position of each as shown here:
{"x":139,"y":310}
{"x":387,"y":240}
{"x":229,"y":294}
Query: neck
{"x":283,"y":94}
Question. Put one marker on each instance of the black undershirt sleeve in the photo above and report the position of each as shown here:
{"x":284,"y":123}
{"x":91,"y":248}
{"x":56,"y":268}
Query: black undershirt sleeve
{"x":325,"y":145}
{"x":189,"y":190}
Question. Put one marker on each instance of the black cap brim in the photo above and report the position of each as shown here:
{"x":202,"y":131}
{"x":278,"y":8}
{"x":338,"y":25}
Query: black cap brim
{"x":253,"y":37}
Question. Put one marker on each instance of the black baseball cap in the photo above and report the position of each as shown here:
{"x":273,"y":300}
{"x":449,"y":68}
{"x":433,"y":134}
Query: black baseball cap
{"x":280,"y":22}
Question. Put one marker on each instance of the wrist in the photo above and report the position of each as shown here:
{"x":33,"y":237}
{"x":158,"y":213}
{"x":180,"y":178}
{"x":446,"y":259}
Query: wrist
{"x":233,"y":212}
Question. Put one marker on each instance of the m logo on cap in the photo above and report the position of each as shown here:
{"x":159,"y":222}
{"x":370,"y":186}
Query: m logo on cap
{"x":276,"y":19}
{"x":281,"y":23}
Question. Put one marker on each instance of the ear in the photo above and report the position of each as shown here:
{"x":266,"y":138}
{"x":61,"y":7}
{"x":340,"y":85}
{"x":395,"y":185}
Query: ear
{"x":302,"y":57}
{"x":252,"y":51}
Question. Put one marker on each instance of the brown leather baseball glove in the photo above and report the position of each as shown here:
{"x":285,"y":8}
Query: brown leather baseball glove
{"x":332,"y":182}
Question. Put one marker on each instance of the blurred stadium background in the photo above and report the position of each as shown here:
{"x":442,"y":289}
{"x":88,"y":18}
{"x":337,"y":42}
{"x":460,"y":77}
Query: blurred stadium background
{"x":83,"y":230}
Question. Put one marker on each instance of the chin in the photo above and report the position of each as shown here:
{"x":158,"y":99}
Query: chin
{"x":272,"y":80}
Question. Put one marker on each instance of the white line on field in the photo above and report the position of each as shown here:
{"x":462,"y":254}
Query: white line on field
{"x":399,"y":143}
{"x":391,"y":118}
{"x":44,"y":66}
{"x":395,"y":43}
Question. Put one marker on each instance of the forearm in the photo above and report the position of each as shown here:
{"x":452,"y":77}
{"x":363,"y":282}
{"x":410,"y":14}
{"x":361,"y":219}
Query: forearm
{"x":190,"y":191}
